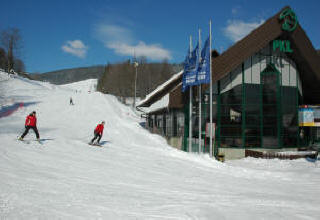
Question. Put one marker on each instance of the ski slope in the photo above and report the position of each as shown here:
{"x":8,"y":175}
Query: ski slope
{"x":135,"y":175}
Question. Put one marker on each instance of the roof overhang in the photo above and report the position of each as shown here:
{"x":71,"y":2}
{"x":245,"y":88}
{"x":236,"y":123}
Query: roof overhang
{"x":161,"y":90}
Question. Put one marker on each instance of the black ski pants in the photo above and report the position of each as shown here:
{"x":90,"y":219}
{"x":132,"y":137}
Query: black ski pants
{"x":34,"y":128}
{"x":96,"y":135}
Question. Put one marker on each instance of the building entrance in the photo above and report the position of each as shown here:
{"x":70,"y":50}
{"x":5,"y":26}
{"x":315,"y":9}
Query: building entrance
{"x":270,"y":107}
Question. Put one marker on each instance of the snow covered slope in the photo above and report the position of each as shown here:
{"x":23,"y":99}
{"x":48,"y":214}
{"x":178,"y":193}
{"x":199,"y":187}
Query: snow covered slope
{"x":135,"y":175}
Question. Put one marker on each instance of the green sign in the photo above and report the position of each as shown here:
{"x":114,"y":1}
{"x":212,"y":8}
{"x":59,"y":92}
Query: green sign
{"x":290,"y":20}
{"x":282,"y":45}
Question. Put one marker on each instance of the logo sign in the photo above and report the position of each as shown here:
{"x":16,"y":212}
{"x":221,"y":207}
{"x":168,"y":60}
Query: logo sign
{"x":282,"y":45}
{"x":290,"y":20}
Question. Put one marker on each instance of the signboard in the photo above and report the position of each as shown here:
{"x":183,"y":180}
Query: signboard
{"x":306,"y":117}
{"x":208,"y":130}
{"x":316,"y":113}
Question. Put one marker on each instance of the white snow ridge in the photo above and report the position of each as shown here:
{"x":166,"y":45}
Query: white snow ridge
{"x":135,"y":174}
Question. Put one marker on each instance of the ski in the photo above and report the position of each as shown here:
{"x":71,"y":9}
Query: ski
{"x":24,"y":141}
{"x":96,"y":145}
{"x":29,"y":141}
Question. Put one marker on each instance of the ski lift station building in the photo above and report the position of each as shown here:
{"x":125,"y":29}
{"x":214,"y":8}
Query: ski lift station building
{"x":266,"y":91}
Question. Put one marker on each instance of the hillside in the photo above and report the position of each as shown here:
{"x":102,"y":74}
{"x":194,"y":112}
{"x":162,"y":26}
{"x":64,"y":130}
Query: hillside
{"x":115,"y":79}
{"x":135,"y":175}
{"x":66,"y":76}
{"x":119,"y":79}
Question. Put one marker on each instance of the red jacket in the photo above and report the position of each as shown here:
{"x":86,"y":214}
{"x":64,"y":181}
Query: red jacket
{"x":31,"y":120}
{"x":99,"y":129}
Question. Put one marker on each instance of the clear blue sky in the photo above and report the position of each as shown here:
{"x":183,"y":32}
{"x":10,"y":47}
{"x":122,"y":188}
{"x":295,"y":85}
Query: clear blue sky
{"x":62,"y":34}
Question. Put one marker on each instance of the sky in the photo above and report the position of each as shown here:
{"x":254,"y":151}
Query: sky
{"x":63,"y":34}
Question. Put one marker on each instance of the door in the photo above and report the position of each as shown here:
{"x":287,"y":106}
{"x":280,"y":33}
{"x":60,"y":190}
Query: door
{"x":270,"y":107}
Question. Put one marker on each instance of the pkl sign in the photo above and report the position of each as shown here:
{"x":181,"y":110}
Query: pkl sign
{"x":282,"y":45}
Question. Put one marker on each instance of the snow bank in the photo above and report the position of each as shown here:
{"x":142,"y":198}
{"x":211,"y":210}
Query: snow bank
{"x":135,"y":175}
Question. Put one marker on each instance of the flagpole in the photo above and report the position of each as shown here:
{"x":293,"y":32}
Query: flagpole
{"x":211,"y":128}
{"x":199,"y":95}
{"x":190,"y":103}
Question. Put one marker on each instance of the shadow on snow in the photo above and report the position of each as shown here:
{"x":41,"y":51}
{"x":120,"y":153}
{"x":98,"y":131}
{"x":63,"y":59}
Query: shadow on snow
{"x":8,"y":110}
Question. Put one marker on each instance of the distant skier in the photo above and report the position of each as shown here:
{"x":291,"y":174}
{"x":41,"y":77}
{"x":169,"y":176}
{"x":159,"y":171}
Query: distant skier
{"x":31,"y":122}
{"x":98,"y":131}
{"x":71,"y":101}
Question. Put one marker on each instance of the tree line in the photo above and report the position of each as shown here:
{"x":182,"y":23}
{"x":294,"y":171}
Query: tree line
{"x":10,"y":46}
{"x":65,"y":76}
{"x":119,"y":79}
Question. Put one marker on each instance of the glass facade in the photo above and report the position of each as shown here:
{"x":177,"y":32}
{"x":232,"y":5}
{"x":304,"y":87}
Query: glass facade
{"x":254,"y":106}
{"x":168,"y":124}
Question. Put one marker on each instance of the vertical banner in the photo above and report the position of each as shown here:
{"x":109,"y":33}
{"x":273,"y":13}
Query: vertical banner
{"x":203,"y":75}
{"x":190,"y":69}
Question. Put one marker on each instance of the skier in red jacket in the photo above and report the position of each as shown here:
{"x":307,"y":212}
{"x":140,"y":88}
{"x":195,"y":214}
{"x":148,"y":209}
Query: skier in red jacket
{"x":31,"y":122}
{"x":98,"y":131}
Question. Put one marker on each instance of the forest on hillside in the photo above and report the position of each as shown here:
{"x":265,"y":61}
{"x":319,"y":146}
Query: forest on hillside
{"x":119,"y":79}
{"x":66,"y":76}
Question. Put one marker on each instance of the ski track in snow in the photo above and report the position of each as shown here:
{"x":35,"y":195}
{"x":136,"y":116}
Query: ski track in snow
{"x":135,"y":175}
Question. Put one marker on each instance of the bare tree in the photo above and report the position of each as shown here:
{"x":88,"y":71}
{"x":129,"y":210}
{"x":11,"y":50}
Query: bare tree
{"x":19,"y":66}
{"x":10,"y":39}
{"x":119,"y":79}
{"x":3,"y":59}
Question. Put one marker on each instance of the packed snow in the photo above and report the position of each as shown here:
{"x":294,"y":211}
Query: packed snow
{"x":135,"y":174}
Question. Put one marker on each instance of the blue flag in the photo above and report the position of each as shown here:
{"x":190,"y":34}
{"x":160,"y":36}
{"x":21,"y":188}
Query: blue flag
{"x":203,"y":73}
{"x":191,"y":64}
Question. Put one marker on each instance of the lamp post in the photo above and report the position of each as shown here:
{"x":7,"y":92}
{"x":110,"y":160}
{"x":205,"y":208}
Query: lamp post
{"x":135,"y":64}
